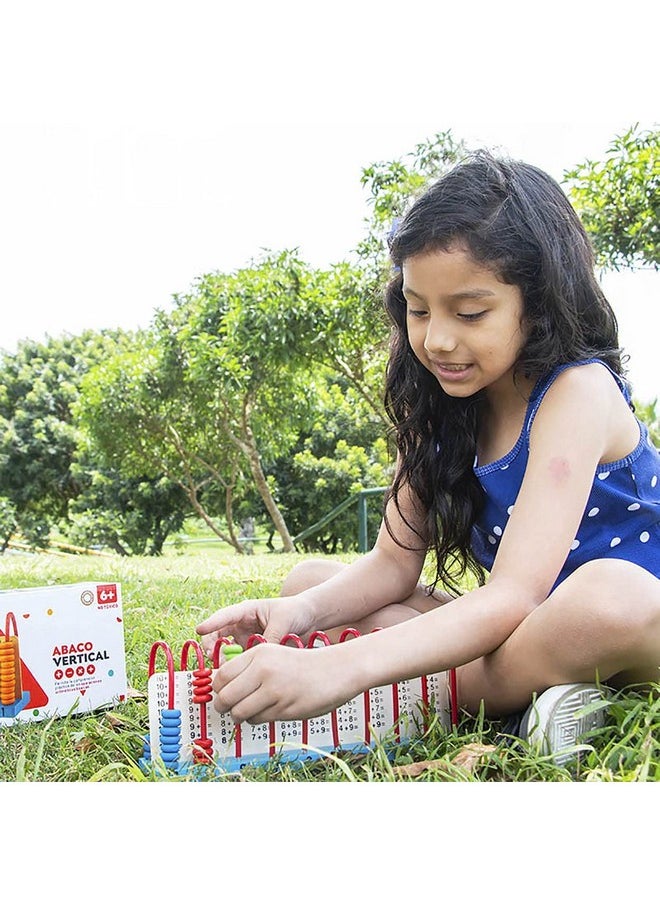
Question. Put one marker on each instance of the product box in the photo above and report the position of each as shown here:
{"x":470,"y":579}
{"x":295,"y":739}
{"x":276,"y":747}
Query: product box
{"x":61,"y":651}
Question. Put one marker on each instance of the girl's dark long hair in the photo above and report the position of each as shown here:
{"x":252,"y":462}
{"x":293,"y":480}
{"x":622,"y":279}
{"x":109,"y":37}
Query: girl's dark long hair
{"x":515,"y":219}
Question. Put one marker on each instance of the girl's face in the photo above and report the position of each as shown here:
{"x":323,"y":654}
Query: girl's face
{"x":464,"y":324}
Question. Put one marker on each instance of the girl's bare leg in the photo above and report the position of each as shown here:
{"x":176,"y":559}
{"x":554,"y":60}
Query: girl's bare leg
{"x":312,"y":572}
{"x":601,"y":624}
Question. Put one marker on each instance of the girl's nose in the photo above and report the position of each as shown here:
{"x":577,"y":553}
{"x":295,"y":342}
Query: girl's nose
{"x":439,"y":338}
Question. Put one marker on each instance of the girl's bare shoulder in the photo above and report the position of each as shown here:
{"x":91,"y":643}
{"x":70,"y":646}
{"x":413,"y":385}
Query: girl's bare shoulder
{"x":592,"y":394}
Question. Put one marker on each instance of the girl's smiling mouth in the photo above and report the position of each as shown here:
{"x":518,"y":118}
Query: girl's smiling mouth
{"x":449,"y":371}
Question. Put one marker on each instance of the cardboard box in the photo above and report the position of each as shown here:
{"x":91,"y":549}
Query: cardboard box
{"x":61,"y":651}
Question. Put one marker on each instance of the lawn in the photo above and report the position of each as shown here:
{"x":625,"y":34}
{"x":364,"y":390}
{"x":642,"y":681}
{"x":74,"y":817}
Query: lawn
{"x":163,"y":600}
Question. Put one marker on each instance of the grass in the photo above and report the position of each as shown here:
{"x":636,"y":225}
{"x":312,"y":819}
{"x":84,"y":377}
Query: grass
{"x":165,"y":597}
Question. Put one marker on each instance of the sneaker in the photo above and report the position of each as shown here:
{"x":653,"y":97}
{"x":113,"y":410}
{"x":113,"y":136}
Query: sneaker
{"x":562,"y":715}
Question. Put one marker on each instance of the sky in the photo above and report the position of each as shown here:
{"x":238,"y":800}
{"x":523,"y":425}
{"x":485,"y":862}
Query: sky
{"x":145,"y":144}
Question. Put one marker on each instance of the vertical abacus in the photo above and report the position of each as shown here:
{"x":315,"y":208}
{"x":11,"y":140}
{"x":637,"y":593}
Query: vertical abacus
{"x":12,"y":697}
{"x":169,"y":719}
{"x":202,"y":750}
{"x":186,"y":732}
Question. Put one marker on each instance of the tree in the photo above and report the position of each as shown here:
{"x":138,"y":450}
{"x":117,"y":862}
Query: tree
{"x":216,"y":387}
{"x":352,"y":334}
{"x":141,"y":421}
{"x":49,"y":476}
{"x":392,"y":187}
{"x":8,"y":523}
{"x":618,"y":200}
{"x":38,"y":439}
{"x":132,"y":516}
{"x":343,"y":451}
{"x":248,"y":339}
{"x":358,"y":345}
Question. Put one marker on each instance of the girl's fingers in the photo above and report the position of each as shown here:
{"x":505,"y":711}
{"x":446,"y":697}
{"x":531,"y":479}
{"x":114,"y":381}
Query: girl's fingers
{"x":238,"y":621}
{"x":235,"y":685}
{"x":255,"y":708}
{"x":220,"y":620}
{"x":259,"y":685}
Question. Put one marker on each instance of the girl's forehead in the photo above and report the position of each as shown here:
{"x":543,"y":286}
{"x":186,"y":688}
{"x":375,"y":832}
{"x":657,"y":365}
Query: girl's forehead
{"x":454,"y":264}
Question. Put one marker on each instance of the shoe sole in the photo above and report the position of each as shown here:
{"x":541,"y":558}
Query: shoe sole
{"x":557,"y":727}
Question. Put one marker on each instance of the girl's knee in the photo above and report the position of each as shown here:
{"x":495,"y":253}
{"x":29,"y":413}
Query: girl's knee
{"x":309,"y":573}
{"x":618,"y":595}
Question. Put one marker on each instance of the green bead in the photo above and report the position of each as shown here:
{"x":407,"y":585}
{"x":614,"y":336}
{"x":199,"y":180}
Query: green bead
{"x":229,"y":650}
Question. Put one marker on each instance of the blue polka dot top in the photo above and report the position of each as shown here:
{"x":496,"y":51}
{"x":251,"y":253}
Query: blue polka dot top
{"x":621,"y":519}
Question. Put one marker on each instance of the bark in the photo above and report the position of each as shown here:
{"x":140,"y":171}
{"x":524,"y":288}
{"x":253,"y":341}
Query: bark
{"x":114,"y":543}
{"x":191,"y":489}
{"x":265,"y":493}
{"x":191,"y":492}
{"x":248,"y":446}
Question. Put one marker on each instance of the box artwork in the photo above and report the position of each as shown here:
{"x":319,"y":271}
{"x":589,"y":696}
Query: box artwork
{"x":61,"y":650}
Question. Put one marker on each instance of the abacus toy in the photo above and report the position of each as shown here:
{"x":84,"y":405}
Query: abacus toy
{"x":186,"y":733}
{"x":12,"y":696}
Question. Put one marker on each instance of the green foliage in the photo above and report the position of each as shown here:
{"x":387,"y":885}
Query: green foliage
{"x":618,"y":199}
{"x":394,"y":184}
{"x":648,"y":413}
{"x":49,"y":475}
{"x":333,"y":479}
{"x":392,"y":187}
{"x":214,"y":388}
{"x":38,"y":385}
{"x":226,"y":384}
{"x":356,"y":333}
{"x":119,"y":406}
{"x":243,"y":343}
{"x":8,"y":522}
{"x":131,"y":516}
{"x":145,"y":421}
{"x":343,"y":452}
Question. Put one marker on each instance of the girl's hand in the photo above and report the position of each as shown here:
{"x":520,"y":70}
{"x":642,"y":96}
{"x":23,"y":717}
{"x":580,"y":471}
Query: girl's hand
{"x":270,"y":681}
{"x":273,"y":618}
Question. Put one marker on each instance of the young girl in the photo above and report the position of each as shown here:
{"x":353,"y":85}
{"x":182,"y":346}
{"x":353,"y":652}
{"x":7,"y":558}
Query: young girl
{"x":519,"y":456}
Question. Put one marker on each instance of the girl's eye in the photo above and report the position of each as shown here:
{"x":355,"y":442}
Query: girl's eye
{"x":471,"y":317}
{"x":416,"y":313}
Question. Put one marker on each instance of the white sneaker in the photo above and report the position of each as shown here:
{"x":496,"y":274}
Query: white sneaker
{"x":557,"y":719}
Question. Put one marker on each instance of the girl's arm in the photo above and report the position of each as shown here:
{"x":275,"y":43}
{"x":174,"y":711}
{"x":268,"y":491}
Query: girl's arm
{"x":389,"y":573}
